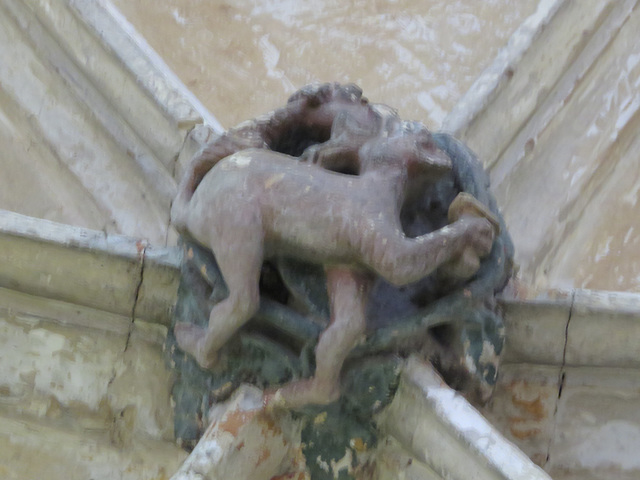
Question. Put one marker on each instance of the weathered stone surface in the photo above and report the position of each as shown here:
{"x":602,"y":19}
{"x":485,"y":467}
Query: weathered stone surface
{"x":503,"y":97}
{"x":567,"y":104}
{"x":33,"y":309}
{"x":158,"y":289}
{"x":580,"y":474}
{"x":83,"y":393}
{"x":441,"y":429}
{"x":74,"y":136}
{"x":106,"y":272}
{"x":72,"y":365}
{"x":580,"y":124}
{"x":141,"y":385}
{"x":604,"y":330}
{"x":502,"y":81}
{"x":35,"y":450}
{"x":535,"y":329}
{"x":598,"y":430}
{"x":576,"y":415}
{"x":92,"y":128}
{"x":523,"y":407}
{"x":419,"y":57}
{"x":243,"y":442}
{"x":97,"y":271}
{"x":79,"y":366}
{"x":393,"y":462}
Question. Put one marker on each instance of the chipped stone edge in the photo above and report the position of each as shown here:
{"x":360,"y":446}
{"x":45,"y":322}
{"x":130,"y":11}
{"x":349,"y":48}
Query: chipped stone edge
{"x":440,"y":428}
{"x":488,"y":85}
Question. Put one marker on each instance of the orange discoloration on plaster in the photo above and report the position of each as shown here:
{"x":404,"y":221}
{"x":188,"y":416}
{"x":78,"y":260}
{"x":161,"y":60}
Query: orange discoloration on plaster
{"x":269,"y":425}
{"x":235,"y":420}
{"x":264,"y":456}
{"x":533,"y":408}
{"x":529,"y":403}
{"x":522,"y":434}
{"x":140,"y":246}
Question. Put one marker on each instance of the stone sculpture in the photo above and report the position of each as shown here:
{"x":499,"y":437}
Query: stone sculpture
{"x":331,"y":131}
{"x":259,"y":204}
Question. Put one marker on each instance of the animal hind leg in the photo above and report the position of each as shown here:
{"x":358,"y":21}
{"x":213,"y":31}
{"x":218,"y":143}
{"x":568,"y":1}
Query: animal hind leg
{"x":239,"y":259}
{"x":348,"y":293}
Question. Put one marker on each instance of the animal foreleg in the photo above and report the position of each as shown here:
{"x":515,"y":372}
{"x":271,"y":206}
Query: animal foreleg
{"x":401,"y":260}
{"x":238,"y":250}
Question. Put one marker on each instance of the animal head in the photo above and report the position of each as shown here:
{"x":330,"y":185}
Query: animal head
{"x":409,"y":146}
{"x":429,"y":158}
{"x":319,"y":104}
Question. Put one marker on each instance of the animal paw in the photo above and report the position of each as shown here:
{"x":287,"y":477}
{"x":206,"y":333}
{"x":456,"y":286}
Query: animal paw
{"x":478,"y":240}
{"x":480,"y":235}
{"x":190,"y":339}
{"x":481,"y":225}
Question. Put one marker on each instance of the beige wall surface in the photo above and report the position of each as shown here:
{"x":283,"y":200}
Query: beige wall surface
{"x":242,"y":58}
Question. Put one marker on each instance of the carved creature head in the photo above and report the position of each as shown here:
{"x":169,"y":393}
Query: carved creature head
{"x":319,"y":104}
{"x":310,"y":113}
{"x":409,"y":146}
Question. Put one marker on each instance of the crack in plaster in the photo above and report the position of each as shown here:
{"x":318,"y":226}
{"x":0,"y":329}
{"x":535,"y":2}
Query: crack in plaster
{"x":561,"y":379}
{"x":168,"y":226}
{"x":142,"y":250}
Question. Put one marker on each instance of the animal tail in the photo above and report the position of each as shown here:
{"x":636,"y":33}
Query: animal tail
{"x":201,"y":163}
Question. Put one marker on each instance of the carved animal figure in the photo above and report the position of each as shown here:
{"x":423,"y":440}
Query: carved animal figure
{"x":307,"y":119}
{"x":259,"y":204}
